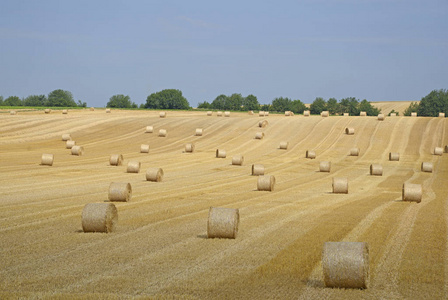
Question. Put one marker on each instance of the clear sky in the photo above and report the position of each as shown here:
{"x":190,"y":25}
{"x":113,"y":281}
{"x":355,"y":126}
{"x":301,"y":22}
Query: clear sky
{"x":379,"y":50}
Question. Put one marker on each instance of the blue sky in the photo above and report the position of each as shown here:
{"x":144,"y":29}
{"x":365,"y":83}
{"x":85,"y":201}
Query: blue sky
{"x":369,"y":49}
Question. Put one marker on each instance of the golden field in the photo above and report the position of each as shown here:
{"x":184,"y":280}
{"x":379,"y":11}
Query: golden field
{"x":160,"y":249}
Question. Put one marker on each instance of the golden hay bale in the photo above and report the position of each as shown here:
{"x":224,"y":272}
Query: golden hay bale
{"x":108,"y":110}
{"x":199,"y":131}
{"x":92,"y":109}
{"x":324,"y":114}
{"x":380,"y":117}
{"x":64,"y":111}
{"x":144,"y":148}
{"x":287,"y":113}
{"x":237,"y":160}
{"x":350,"y":130}
{"x":251,"y":112}
{"x":292,"y":114}
{"x":133,"y":167}
{"x":310,"y":154}
{"x":162,"y":114}
{"x":266,"y":183}
{"x":77,"y":150}
{"x":376,"y":169}
{"x":189,"y":148}
{"x":227,"y":114}
{"x":266,"y":114}
{"x":393,"y":114}
{"x":284,"y":145}
{"x":346,"y":115}
{"x":223,"y":222}
{"x":346,"y":264}
{"x":354,"y":152}
{"x":259,"y":135}
{"x":209,"y":113}
{"x":162,"y":133}
{"x":99,"y":217}
{"x":394,"y":156}
{"x":325,"y":166}
{"x":363,"y":114}
{"x":441,"y":115}
{"x":149,"y":129}
{"x":219,"y":114}
{"x":47,"y":159}
{"x":47,"y":110}
{"x":220,"y":153}
{"x":154,"y":174}
{"x":414,"y":114}
{"x":116,"y":160}
{"x":438,"y":151}
{"x":306,"y":113}
{"x":257,"y":169}
{"x":66,"y":137}
{"x":261,"y":113}
{"x":263,"y":123}
{"x":120,"y":191}
{"x":412,"y":192}
{"x":427,"y":167}
{"x":70,"y":144}
{"x":340,"y":185}
{"x":12,"y":112}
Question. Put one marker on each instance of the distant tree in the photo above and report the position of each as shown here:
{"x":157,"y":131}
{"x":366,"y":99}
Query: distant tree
{"x":370,"y":110}
{"x":318,"y":106}
{"x":204,"y":105}
{"x":393,"y":111}
{"x":12,"y":101}
{"x":333,"y":106}
{"x":142,"y":105}
{"x":413,"y":107}
{"x":120,"y":101}
{"x":234,"y":102}
{"x":61,"y":98}
{"x":433,"y":103}
{"x":297,"y":106}
{"x":266,"y":107}
{"x":349,"y":105}
{"x":251,"y":103}
{"x":1,"y":100}
{"x":81,"y":104}
{"x":220,"y":102}
{"x":167,"y":99}
{"x":35,"y":100}
{"x":281,"y":104}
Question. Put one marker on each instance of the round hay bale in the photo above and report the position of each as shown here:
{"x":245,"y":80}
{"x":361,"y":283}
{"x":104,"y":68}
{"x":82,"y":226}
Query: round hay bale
{"x":237,"y":160}
{"x":47,"y":110}
{"x":144,"y":148}
{"x":77,"y":150}
{"x":154,"y":174}
{"x":325,"y":166}
{"x":64,"y":111}
{"x":284,"y":145}
{"x":306,"y":113}
{"x":209,"y":113}
{"x":162,"y":114}
{"x":393,"y":114}
{"x":189,"y":148}
{"x":292,"y":114}
{"x":47,"y":159}
{"x":222,"y":222}
{"x":350,"y":131}
{"x":340,"y":185}
{"x":446,"y":148}
{"x":266,"y":183}
{"x":133,"y":167}
{"x":363,"y":114}
{"x":311,"y":154}
{"x":376,"y":169}
{"x":259,"y":135}
{"x":162,"y":133}
{"x":325,"y":113}
{"x":70,"y":144}
{"x":108,"y":110}
{"x":66,"y":137}
{"x":414,"y":114}
{"x":149,"y":129}
{"x":266,"y":114}
{"x":198,"y":132}
{"x":380,"y":117}
{"x":227,"y":114}
{"x":116,"y":160}
{"x":346,"y":264}
{"x":354,"y":152}
{"x":251,"y":112}
{"x":12,"y":112}
{"x":261,"y":113}
{"x":99,"y":217}
{"x":441,"y":115}
{"x":287,"y":113}
{"x":346,"y":115}
{"x":92,"y":109}
{"x":220,"y":153}
{"x":412,"y":192}
{"x":263,"y":123}
{"x":257,"y":170}
{"x":438,"y":151}
{"x":219,"y":114}
{"x":427,"y":167}
{"x":394,"y":156}
{"x":120,"y":191}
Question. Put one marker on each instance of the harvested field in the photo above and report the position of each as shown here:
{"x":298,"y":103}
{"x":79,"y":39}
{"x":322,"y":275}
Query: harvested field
{"x":159,"y":246}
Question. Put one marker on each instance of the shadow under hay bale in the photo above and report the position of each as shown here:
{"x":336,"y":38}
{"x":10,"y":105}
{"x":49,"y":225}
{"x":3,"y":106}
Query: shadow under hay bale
{"x":223,"y":222}
{"x":120,"y":191}
{"x":99,"y":217}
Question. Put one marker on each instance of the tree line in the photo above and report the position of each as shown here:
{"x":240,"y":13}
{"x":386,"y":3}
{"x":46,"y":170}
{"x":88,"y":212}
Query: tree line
{"x":430,"y":105}
{"x":56,"y":98}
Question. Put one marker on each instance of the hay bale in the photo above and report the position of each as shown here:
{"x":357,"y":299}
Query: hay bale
{"x":47,"y":110}
{"x":438,"y":151}
{"x":133,"y":167}
{"x":189,"y":148}
{"x":259,"y":135}
{"x":441,"y":115}
{"x":394,"y":156}
{"x":77,"y":150}
{"x":12,"y":112}
{"x":266,"y":183}
{"x":219,"y":114}
{"x":99,"y":217}
{"x":261,"y":113}
{"x":162,"y":114}
{"x":92,"y":109}
{"x":66,"y":137}
{"x":346,"y":115}
{"x":227,"y":114}
{"x":220,"y":153}
{"x":393,"y":114}
{"x":292,"y":114}
{"x":237,"y":160}
{"x":209,"y":113}
{"x":120,"y":191}
{"x":380,"y":117}
{"x":144,"y":148}
{"x":70,"y":144}
{"x":376,"y":169}
{"x":108,"y":110}
{"x":354,"y":152}
{"x":346,"y":264}
{"x":311,"y":154}
{"x":427,"y":167}
{"x":223,"y":222}
{"x":287,"y":113}
{"x":116,"y":160}
{"x":363,"y":114}
{"x":257,"y":170}
{"x":412,"y":192}
{"x":324,"y":114}
{"x":350,"y":131}
{"x":340,"y":185}
{"x":162,"y":133}
{"x":251,"y":112}
{"x":154,"y":174}
{"x":325,"y":166}
{"x":266,"y":114}
{"x":306,"y":113}
{"x":64,"y":111}
{"x":149,"y":129}
{"x":284,"y":145}
{"x":47,"y":159}
{"x":198,"y":132}
{"x":414,"y":114}
{"x":263,"y":123}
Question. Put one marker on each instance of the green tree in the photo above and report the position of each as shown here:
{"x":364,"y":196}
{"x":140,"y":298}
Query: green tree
{"x":281,"y":104}
{"x":234,"y":102}
{"x":167,"y":99}
{"x":297,"y":106}
{"x":35,"y":100}
{"x":61,"y":98}
{"x":393,"y":111}
{"x":433,"y":103}
{"x":251,"y":103}
{"x":1,"y":100}
{"x":120,"y":101}
{"x":370,"y":110}
{"x":204,"y":105}
{"x":266,"y":107}
{"x":12,"y":101}
{"x":333,"y":106}
{"x":83,"y":104}
{"x":350,"y":105}
{"x":220,"y":102}
{"x":318,"y":106}
{"x":413,"y":107}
